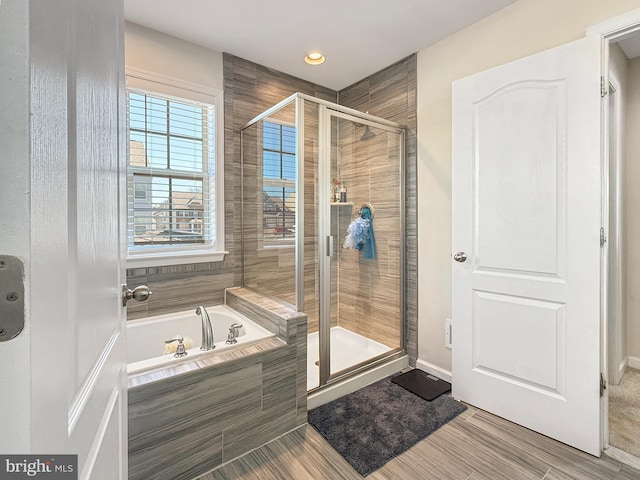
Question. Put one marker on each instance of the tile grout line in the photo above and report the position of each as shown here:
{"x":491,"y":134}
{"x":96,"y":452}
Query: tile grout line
{"x":240,"y":457}
{"x":468,"y":417}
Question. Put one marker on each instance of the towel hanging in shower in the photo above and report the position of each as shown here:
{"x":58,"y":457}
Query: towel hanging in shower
{"x":360,"y":234}
{"x":370,"y":242}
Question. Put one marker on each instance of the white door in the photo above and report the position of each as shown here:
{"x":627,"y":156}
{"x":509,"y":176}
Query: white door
{"x":527,"y":214}
{"x":72,"y":386}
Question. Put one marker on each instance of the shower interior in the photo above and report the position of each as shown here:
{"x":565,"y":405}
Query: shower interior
{"x":293,"y":230}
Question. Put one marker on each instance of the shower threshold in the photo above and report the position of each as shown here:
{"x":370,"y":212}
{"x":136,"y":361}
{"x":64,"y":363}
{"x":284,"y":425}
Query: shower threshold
{"x":347,"y":349}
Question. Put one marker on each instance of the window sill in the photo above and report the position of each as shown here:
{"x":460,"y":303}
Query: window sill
{"x":172,"y":258}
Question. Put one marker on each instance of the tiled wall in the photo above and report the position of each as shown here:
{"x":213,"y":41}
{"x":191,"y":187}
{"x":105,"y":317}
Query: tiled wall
{"x":180,"y":287}
{"x":391,"y":94}
{"x":268,"y":268}
{"x":250,"y":89}
{"x":369,"y":290}
{"x":311,"y":301}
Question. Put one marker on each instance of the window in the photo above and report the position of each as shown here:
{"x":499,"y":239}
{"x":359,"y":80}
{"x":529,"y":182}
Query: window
{"x":171,"y":179}
{"x":140,"y":191}
{"x":278,"y":183}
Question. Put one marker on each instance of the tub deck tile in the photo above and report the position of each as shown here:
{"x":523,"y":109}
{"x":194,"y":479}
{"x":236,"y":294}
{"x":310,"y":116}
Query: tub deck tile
{"x":197,"y":363}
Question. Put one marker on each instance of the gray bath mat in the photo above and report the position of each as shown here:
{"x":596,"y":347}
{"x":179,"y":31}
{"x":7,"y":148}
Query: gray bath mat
{"x":378,"y":422}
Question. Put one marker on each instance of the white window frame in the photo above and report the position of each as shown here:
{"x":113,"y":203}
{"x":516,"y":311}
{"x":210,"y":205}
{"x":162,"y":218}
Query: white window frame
{"x":150,"y":82}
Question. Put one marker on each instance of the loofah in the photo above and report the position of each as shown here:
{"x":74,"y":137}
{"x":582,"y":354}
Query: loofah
{"x":170,"y":348}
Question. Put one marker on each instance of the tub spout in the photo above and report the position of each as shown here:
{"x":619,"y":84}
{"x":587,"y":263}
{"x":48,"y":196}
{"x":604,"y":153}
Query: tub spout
{"x":207,"y":330}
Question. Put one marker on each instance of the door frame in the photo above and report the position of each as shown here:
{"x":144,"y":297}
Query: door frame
{"x":328,"y":245}
{"x":613,"y":272}
{"x":613,"y":29}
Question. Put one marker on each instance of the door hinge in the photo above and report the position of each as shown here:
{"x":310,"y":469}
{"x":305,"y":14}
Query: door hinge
{"x":603,"y":239}
{"x":603,"y":384}
{"x":603,"y":91}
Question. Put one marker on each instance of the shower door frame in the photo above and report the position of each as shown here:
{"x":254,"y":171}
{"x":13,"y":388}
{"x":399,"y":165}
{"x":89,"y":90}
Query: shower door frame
{"x":325,"y":241}
{"x":326,"y":110}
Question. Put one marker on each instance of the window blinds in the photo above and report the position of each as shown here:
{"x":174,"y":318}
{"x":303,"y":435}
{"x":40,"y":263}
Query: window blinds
{"x":170,"y":184}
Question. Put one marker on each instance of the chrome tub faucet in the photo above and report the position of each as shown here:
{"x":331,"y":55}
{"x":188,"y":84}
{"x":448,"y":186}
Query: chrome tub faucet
{"x":207,"y":329}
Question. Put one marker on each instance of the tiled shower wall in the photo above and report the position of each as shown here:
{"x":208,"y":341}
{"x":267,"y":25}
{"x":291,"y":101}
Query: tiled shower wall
{"x":369,"y":289}
{"x":250,"y":89}
{"x":268,"y":268}
{"x":391,"y":94}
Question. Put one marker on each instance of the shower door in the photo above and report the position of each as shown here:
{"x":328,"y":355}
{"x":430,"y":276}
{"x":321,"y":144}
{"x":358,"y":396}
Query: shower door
{"x":360,"y":294}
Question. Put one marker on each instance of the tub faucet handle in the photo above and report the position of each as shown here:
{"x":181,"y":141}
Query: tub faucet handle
{"x":180,"y":350}
{"x":177,"y":339}
{"x":233,"y":333}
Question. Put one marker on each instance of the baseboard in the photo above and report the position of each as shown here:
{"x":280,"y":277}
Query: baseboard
{"x":622,"y":366}
{"x":434,"y":370}
{"x":622,"y":456}
{"x":634,"y":362}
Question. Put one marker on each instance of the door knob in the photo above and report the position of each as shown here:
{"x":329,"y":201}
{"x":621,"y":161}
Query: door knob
{"x":140,"y":294}
{"x":460,"y":257}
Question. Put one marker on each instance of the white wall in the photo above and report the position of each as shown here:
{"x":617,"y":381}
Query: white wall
{"x":14,"y":214}
{"x":163,"y":54}
{"x":524,"y":28}
{"x":631,"y":198}
{"x":617,"y":351}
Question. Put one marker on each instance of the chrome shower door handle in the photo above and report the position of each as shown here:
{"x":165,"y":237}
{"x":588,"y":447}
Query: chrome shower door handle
{"x":330,"y":246}
{"x":460,"y":257}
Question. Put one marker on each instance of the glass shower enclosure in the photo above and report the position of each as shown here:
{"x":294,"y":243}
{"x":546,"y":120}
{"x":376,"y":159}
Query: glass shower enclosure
{"x":322,"y":228}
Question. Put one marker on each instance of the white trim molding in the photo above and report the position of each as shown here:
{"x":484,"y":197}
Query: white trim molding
{"x":634,"y":362}
{"x":434,"y":370}
{"x":620,"y":25}
{"x":137,"y":78}
{"x":176,"y":87}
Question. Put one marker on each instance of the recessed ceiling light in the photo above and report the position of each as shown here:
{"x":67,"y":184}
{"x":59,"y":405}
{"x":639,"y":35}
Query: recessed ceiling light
{"x":314,"y":58}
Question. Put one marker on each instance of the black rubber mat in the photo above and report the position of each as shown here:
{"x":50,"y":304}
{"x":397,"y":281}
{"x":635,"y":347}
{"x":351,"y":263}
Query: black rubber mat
{"x":422,"y":384}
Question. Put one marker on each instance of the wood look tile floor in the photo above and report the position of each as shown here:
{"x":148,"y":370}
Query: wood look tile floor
{"x":474,"y":446}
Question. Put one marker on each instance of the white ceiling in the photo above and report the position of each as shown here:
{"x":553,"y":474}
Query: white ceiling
{"x":631,"y":46}
{"x":358,"y":37}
